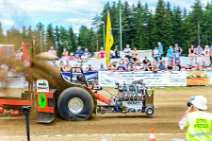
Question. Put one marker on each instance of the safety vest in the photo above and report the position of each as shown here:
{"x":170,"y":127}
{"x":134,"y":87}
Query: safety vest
{"x":199,"y":126}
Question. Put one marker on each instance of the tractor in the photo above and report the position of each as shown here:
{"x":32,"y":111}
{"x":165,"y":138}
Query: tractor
{"x":50,"y":94}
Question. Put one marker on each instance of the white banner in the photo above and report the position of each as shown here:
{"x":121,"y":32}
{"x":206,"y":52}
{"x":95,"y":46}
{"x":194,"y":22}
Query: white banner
{"x":175,"y":78}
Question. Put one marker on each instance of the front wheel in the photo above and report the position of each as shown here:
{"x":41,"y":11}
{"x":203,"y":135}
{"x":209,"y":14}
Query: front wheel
{"x":75,"y":104}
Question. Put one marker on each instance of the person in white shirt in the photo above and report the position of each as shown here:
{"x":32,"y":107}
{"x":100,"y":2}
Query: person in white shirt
{"x":127,"y":51}
{"x":156,"y":54}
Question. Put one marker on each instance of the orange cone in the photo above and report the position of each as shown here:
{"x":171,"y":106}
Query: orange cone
{"x":152,"y":135}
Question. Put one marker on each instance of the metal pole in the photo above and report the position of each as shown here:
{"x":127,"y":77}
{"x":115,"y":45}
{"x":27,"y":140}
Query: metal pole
{"x":104,"y":34}
{"x":97,"y":44}
{"x":120,"y":26}
{"x":26,"y":110}
{"x":198,"y":32}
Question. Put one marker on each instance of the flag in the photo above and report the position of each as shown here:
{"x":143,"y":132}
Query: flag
{"x":109,"y":40}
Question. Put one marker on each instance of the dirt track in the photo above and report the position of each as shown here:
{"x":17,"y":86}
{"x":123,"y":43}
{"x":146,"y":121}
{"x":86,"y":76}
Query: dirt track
{"x":170,"y":103}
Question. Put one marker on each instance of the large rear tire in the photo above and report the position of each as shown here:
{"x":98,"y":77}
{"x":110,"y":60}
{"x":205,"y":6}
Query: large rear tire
{"x":75,"y":104}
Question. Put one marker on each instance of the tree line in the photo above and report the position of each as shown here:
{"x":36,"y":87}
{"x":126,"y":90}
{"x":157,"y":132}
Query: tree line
{"x":142,"y":28}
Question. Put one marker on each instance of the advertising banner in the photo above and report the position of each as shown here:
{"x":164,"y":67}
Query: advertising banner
{"x":199,"y":78}
{"x":175,"y":78}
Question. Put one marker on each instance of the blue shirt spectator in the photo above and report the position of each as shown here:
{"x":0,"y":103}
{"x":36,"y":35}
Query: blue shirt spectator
{"x":160,"y":48}
{"x":162,"y":66}
{"x":121,"y":67}
{"x":87,"y":53}
{"x":199,"y":50}
{"x":79,"y":51}
{"x":170,"y":53}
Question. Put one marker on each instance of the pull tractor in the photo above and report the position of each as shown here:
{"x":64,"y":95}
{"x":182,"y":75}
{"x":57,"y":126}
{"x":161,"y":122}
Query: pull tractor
{"x":50,"y":94}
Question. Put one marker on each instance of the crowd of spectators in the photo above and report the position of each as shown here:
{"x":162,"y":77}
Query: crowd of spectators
{"x":132,"y":62}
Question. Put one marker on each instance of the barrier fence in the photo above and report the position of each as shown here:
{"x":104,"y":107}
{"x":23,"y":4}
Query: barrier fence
{"x":108,"y":79}
{"x":166,"y":78}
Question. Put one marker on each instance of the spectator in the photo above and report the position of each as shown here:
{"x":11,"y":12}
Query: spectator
{"x":191,"y":51}
{"x":112,"y":54}
{"x":114,"y":64}
{"x":146,"y":61}
{"x":65,"y":52}
{"x":199,"y":50}
{"x":127,"y":51}
{"x":67,"y":67}
{"x":156,"y":54}
{"x":19,"y":54}
{"x":84,"y":57}
{"x":131,"y":66}
{"x":191,"y":54}
{"x":134,"y":54}
{"x":170,"y":54}
{"x":97,"y":55}
{"x":138,"y":65}
{"x":176,"y":56}
{"x":178,"y":66}
{"x":169,"y":67}
{"x":162,"y":66}
{"x":155,"y":67}
{"x":89,"y":68}
{"x":177,"y":49}
{"x":206,"y":51}
{"x":76,"y":68}
{"x":110,"y":67}
{"x":52,"y":51}
{"x":160,"y":50}
{"x":77,"y":57}
{"x":126,"y":63}
{"x":62,"y":69}
{"x":116,"y":50}
{"x":79,"y":51}
{"x":102,"y":68}
{"x":121,"y":67}
{"x":147,"y":67}
{"x":102,"y":53}
{"x":71,"y":57}
{"x":87,"y":53}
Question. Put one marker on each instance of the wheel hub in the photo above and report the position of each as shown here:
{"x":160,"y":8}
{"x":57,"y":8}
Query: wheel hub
{"x":75,"y":105}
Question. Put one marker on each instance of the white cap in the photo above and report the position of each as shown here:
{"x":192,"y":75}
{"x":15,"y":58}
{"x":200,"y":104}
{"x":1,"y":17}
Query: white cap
{"x":200,"y":102}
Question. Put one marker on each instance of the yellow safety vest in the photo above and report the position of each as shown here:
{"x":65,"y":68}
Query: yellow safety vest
{"x":199,"y":126}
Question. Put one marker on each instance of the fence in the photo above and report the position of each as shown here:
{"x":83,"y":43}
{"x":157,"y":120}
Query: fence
{"x":108,"y":79}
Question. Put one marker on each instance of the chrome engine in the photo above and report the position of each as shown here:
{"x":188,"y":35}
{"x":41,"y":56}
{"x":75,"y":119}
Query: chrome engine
{"x":131,"y":97}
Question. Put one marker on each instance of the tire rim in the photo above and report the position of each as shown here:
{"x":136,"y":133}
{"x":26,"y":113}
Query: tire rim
{"x":75,"y":105}
{"x":149,"y":111}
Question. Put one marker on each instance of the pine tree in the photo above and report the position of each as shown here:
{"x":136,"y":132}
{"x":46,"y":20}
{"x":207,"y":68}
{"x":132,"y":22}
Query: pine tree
{"x":206,"y":25}
{"x":196,"y":19}
{"x":49,"y":37}
{"x":63,"y":39}
{"x":58,"y":41}
{"x":139,"y":24}
{"x":2,"y":37}
{"x":163,"y":24}
{"x":177,"y":24}
{"x":71,"y":39}
{"x":39,"y":36}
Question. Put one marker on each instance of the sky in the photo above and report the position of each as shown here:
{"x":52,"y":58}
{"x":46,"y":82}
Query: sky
{"x":62,"y":12}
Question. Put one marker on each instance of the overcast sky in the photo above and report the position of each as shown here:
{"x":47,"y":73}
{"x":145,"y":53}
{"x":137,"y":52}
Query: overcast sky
{"x":62,"y":12}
